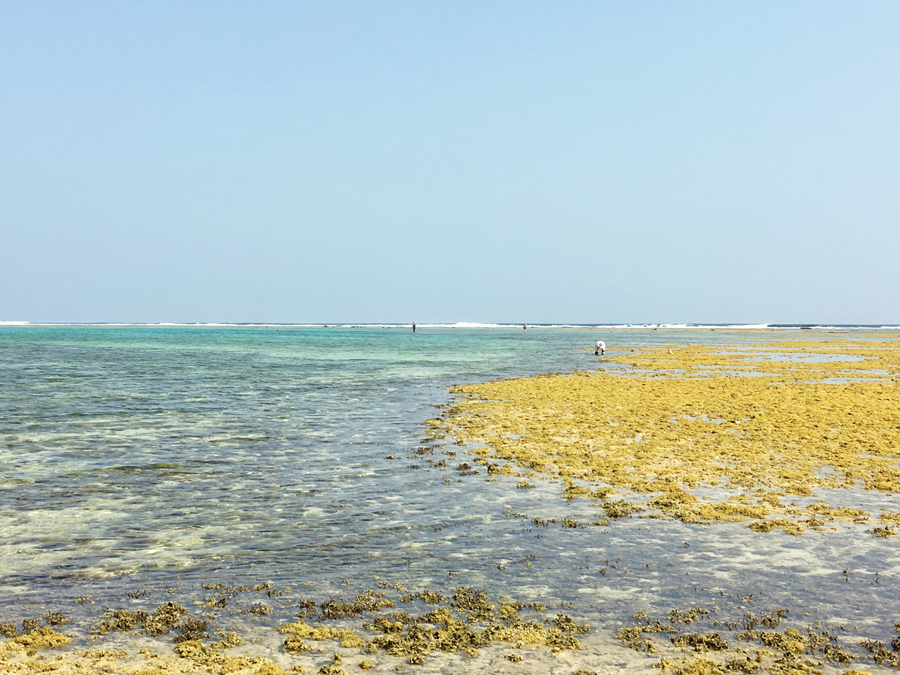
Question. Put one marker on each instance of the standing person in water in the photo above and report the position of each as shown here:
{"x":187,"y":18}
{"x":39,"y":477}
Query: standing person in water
{"x":601,"y":348}
{"x":524,"y":327}
{"x":414,"y":326}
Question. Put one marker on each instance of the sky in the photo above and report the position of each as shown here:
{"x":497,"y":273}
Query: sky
{"x":590,"y":162}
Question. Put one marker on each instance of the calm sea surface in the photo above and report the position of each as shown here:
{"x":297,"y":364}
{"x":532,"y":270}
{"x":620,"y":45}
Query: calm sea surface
{"x":147,"y":457}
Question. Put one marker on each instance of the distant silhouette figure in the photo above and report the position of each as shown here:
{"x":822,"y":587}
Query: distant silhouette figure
{"x":414,"y":326}
{"x":601,"y":348}
{"x":524,"y":327}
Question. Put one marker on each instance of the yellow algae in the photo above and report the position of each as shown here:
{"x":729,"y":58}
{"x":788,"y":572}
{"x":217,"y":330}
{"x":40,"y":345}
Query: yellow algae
{"x":805,"y":415}
{"x":465,"y":620}
{"x":776,"y":524}
{"x":269,"y":668}
{"x":9,"y":648}
{"x":334,"y":668}
{"x":694,"y":665}
{"x":115,"y":654}
{"x":782,"y":652}
{"x":89,"y":661}
{"x":211,"y":659}
{"x":43,"y":638}
{"x":301,"y":629}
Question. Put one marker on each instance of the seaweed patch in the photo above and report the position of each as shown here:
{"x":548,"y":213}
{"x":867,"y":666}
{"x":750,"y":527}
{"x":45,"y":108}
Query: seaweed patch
{"x":784,"y":419}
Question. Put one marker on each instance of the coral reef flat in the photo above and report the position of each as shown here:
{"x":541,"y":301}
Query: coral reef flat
{"x":795,"y":419}
{"x":286,"y":500}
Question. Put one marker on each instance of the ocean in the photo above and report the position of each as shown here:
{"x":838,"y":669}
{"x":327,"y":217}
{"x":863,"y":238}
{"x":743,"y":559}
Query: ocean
{"x":142,"y":462}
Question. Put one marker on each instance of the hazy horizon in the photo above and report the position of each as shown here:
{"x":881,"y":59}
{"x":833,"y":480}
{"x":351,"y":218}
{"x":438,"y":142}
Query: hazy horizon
{"x":445,"y":324}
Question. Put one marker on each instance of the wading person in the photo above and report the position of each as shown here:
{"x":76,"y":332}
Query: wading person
{"x":601,"y":348}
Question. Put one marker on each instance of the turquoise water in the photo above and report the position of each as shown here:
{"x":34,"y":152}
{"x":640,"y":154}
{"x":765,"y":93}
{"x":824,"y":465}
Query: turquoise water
{"x":181,"y":451}
{"x":153,"y":457}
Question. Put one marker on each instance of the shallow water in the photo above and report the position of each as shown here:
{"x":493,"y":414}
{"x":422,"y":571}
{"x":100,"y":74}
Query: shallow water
{"x":154,"y":457}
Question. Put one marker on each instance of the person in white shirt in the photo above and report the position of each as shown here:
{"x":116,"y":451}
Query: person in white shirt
{"x":601,"y":348}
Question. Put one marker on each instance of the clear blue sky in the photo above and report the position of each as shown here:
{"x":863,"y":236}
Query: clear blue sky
{"x":450,"y":161}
